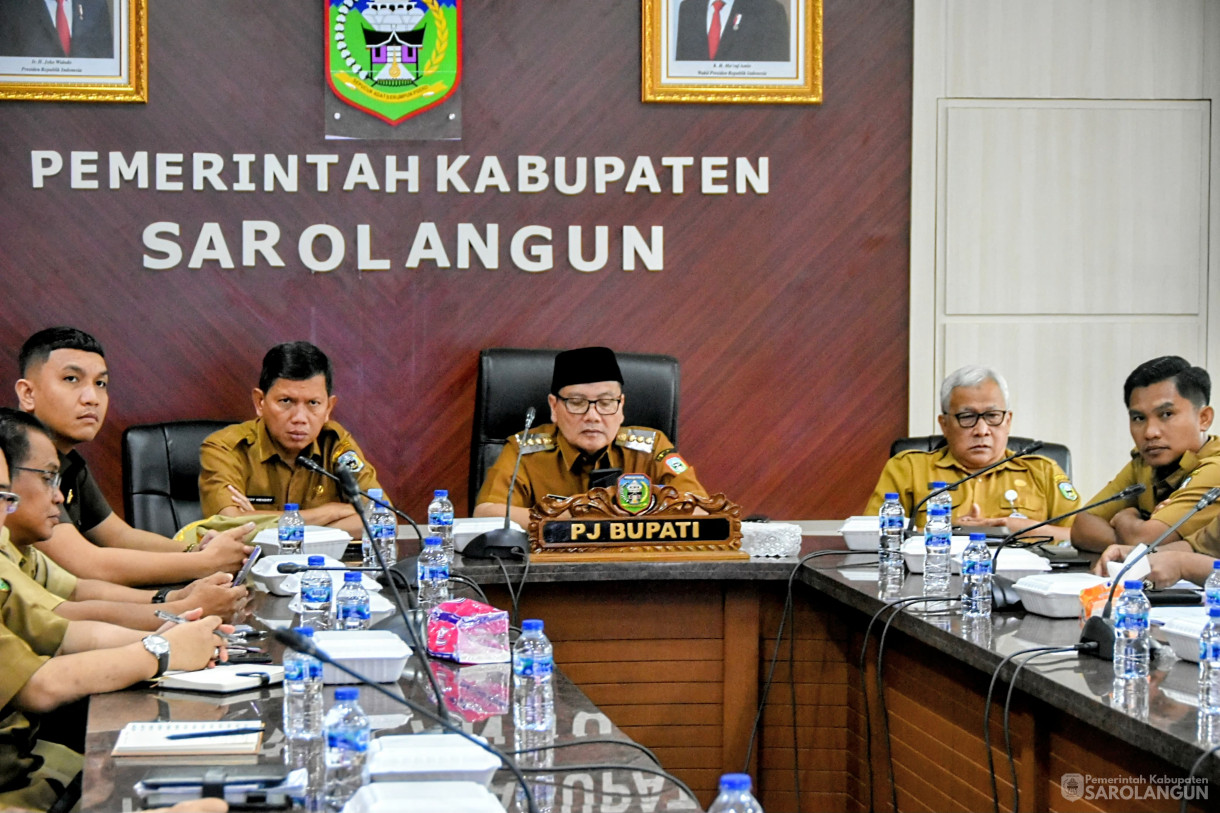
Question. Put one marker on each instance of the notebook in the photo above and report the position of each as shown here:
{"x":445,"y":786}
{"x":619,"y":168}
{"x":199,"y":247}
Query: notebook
{"x":152,"y":739}
{"x":224,"y":678}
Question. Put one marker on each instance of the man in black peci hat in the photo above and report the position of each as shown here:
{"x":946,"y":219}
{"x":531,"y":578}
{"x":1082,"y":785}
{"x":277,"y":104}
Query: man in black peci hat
{"x":586,"y":434}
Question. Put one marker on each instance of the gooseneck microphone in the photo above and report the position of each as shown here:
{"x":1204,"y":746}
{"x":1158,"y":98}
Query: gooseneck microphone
{"x":1098,"y":628}
{"x":294,"y":640}
{"x":504,"y":542}
{"x":1028,"y":450}
{"x":351,"y":493}
{"x":292,"y":567}
{"x":1003,"y":596}
{"x":317,"y":468}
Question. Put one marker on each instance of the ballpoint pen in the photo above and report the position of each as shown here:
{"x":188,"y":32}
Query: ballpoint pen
{"x":198,"y":735}
{"x":177,"y":619}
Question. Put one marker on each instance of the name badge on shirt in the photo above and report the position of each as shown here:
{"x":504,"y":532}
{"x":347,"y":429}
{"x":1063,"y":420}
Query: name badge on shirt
{"x":260,"y":500}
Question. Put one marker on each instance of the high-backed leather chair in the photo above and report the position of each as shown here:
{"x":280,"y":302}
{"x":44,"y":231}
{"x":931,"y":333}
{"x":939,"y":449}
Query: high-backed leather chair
{"x":511,"y":380}
{"x":930,"y":443}
{"x":161,"y":473}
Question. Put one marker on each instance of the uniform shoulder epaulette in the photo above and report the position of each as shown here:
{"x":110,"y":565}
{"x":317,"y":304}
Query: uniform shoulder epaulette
{"x":535,"y":443}
{"x":636,"y":439}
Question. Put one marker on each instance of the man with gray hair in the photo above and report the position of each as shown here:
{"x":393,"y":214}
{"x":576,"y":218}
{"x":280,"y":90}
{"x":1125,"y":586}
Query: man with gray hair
{"x":975,"y":420}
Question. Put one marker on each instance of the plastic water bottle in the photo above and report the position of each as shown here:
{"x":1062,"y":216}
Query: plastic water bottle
{"x":291,"y":529}
{"x":533,"y":689}
{"x":302,"y":693}
{"x":440,"y":520}
{"x":385,"y":528}
{"x":976,"y":578}
{"x":1211,"y":587}
{"x":317,"y":591}
{"x":1209,"y":680}
{"x":936,"y":553}
{"x":1131,"y":636}
{"x":352,"y":604}
{"x":945,"y":499}
{"x":347,"y":746}
{"x":735,"y":796}
{"x":432,"y":571}
{"x":892,"y":520}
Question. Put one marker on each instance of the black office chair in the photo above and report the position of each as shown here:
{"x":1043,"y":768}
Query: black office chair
{"x":511,"y":380}
{"x":161,"y":473}
{"x":930,"y":443}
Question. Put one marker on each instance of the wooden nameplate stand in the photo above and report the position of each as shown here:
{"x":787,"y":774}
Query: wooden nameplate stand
{"x":597,"y":529}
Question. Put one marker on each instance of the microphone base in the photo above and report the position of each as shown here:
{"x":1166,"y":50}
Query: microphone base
{"x":1004,"y":597}
{"x":500,"y":543}
{"x":1099,"y":631}
{"x":395,"y":624}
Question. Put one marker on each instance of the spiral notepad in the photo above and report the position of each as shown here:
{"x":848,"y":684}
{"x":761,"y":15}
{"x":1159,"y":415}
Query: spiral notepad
{"x":152,"y":739}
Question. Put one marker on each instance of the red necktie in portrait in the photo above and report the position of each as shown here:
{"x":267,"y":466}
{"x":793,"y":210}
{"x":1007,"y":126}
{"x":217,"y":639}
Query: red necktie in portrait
{"x":61,"y":25}
{"x":713,"y":33}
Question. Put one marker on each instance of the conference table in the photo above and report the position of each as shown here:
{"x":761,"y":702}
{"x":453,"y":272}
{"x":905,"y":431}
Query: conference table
{"x":677,"y":656}
{"x":481,"y":706}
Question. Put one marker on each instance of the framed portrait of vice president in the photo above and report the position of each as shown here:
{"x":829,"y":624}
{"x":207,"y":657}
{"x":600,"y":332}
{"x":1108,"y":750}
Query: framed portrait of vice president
{"x":744,"y":51}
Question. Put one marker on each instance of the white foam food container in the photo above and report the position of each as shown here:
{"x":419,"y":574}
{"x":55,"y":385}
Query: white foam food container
{"x":1181,"y":629}
{"x":430,"y":758}
{"x":377,"y":602}
{"x":913,"y":550}
{"x":467,"y":528}
{"x":1055,"y":595}
{"x":379,"y":655}
{"x":319,"y":541}
{"x":1013,"y":563}
{"x":423,"y":797}
{"x":266,"y":575}
{"x":862,"y":533}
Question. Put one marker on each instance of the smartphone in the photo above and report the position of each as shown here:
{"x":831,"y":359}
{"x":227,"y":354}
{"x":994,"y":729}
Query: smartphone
{"x":245,"y":569}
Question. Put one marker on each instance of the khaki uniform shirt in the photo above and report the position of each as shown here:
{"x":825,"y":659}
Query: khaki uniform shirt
{"x":1196,"y":472}
{"x":551,"y":465}
{"x":1042,"y":489}
{"x":37,"y":566}
{"x":29,"y":636}
{"x":243,"y":455}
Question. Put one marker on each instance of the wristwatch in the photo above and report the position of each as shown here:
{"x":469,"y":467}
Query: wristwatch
{"x":158,"y":647}
{"x":161,"y":595}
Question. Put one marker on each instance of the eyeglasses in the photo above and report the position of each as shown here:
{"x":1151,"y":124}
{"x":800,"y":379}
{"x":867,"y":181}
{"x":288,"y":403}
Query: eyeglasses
{"x":11,"y":499}
{"x":579,"y":406}
{"x":993,"y":417}
{"x":51,"y":478}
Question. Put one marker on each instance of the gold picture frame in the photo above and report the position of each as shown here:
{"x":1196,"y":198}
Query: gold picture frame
{"x":762,"y":66}
{"x":107,"y":59}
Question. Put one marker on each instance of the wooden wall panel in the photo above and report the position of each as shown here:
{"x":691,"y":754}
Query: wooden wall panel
{"x":788,"y":311}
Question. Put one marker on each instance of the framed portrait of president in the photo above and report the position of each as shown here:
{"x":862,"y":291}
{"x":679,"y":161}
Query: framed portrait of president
{"x":74,"y":50}
{"x":732,"y":51}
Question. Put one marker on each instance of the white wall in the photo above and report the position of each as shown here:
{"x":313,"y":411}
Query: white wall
{"x":1065,"y":206}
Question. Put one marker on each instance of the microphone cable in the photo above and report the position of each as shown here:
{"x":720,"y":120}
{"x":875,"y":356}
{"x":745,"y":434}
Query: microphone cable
{"x":1194,"y":769}
{"x":594,"y":741}
{"x":294,"y":641}
{"x":1033,"y":652}
{"x":514,"y":596}
{"x":897,"y":606}
{"x":598,"y":766}
{"x":784,"y":620}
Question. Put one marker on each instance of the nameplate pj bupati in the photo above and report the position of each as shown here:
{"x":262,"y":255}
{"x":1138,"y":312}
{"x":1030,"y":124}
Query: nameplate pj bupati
{"x":596,"y":526}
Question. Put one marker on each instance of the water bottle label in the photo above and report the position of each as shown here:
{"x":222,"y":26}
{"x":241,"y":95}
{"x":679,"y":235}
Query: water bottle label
{"x":440,"y":518}
{"x":434,"y":572}
{"x":315,"y":669}
{"x":525,"y":666}
{"x":294,"y":669}
{"x":385,"y":532}
{"x":348,"y":739}
{"x":291,"y":533}
{"x":316,"y":593}
{"x":976,"y":568}
{"x":1213,"y":597}
{"x":1209,"y":651}
{"x":1131,"y":622}
{"x":358,"y":611}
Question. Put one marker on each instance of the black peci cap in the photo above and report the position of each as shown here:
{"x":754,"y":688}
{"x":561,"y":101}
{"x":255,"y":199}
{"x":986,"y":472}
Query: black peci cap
{"x":586,"y":365}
